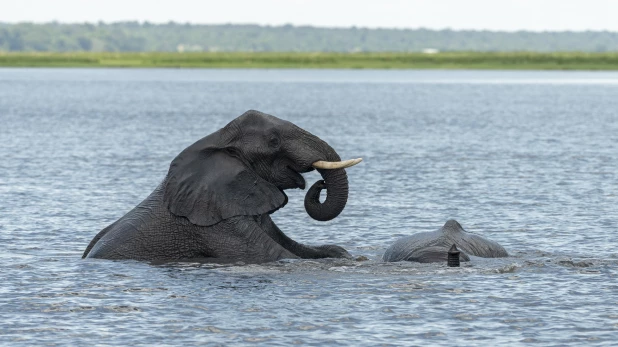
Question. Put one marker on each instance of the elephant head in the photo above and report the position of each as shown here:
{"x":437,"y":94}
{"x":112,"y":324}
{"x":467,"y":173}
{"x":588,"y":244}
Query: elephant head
{"x":243,"y":169}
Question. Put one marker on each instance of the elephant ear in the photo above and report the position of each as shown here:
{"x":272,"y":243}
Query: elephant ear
{"x":209,"y":186}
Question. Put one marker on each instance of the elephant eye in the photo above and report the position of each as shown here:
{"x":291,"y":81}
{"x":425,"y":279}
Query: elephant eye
{"x":274,"y":142}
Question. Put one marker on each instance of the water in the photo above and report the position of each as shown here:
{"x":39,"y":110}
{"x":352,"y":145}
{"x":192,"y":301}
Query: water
{"x":527,"y":159}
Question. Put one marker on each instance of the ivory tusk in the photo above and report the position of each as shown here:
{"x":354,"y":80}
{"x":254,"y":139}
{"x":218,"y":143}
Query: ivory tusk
{"x":336,"y":164}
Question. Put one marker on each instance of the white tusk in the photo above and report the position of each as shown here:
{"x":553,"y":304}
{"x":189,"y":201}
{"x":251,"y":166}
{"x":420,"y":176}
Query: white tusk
{"x":336,"y":164}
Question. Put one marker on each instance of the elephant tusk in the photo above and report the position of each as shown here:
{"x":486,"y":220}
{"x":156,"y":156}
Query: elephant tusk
{"x":329,"y":165}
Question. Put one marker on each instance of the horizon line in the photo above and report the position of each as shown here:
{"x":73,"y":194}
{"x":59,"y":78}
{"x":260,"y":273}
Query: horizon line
{"x":171,"y":22}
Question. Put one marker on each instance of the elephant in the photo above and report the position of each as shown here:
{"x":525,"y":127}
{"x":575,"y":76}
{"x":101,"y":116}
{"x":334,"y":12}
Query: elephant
{"x":430,"y":247}
{"x":215,"y":202}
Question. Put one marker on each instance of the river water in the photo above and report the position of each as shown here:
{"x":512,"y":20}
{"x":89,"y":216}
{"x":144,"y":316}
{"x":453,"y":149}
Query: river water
{"x":527,"y":159}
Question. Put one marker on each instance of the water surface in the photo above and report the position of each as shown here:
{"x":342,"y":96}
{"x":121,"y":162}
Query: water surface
{"x":527,"y":159}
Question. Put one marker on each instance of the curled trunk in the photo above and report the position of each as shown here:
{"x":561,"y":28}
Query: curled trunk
{"x":336,"y":184}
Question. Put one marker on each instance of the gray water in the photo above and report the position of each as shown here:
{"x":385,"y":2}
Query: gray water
{"x":527,"y":159}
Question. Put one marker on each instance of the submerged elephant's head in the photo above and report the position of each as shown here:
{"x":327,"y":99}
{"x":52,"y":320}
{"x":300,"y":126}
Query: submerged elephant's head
{"x":243,"y":169}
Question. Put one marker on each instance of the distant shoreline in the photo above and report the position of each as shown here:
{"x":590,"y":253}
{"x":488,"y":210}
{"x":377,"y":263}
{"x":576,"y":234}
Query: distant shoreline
{"x":274,"y":60}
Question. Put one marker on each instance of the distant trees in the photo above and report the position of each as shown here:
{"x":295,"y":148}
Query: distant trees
{"x":84,"y":43}
{"x":133,"y":36}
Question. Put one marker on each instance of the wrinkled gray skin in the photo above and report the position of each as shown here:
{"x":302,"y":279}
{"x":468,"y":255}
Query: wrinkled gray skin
{"x":216,"y":200}
{"x":429,"y":247}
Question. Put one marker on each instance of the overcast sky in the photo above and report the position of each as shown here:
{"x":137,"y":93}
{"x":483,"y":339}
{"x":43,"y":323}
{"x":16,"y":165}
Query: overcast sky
{"x":508,"y":15}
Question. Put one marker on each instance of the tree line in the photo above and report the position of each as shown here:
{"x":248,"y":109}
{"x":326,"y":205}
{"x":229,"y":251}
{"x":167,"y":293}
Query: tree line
{"x":172,"y":37}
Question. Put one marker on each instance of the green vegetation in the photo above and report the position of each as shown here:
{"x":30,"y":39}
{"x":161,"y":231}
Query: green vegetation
{"x":452,"y":60}
{"x":172,"y":37}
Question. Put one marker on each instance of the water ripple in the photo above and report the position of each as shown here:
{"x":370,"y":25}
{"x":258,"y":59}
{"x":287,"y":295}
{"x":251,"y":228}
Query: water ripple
{"x":528,"y":159}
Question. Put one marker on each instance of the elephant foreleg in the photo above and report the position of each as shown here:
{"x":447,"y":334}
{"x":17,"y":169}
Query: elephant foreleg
{"x":302,"y":251}
{"x":244,"y":239}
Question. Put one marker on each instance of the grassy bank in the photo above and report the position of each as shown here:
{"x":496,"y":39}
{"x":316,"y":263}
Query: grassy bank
{"x":451,"y":60}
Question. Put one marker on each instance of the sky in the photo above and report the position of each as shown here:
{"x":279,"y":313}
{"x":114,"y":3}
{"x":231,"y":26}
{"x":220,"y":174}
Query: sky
{"x":502,"y":15}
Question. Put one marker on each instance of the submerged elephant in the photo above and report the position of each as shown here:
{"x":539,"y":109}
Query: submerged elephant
{"x":429,"y":247}
{"x":216,"y":199}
